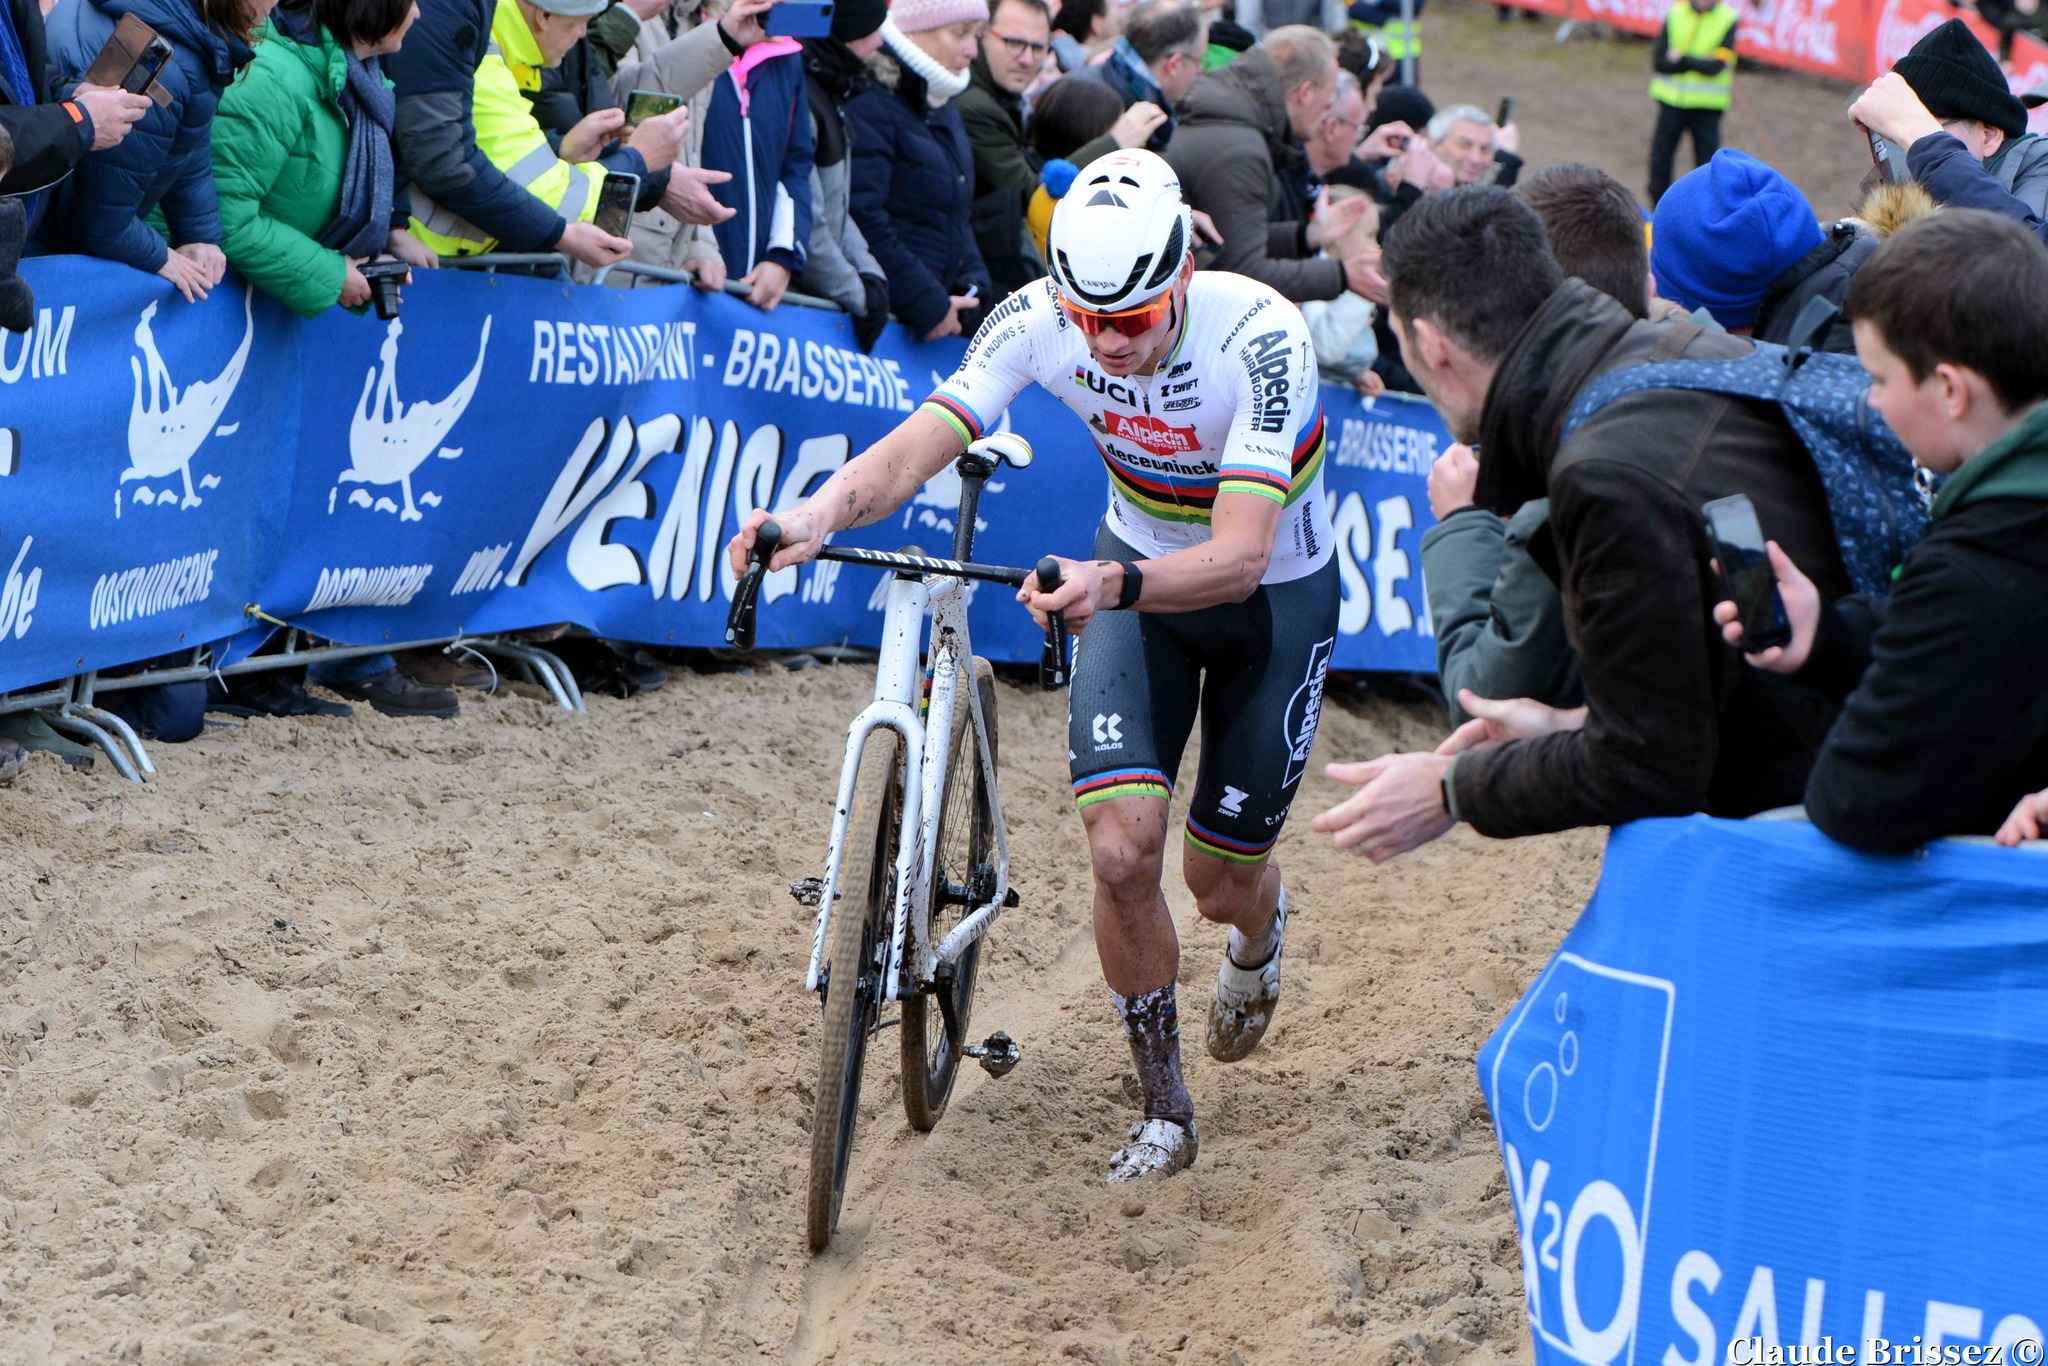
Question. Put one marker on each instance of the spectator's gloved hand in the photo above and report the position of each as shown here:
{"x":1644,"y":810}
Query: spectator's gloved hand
{"x":592,"y":134}
{"x":1802,"y":611}
{"x":659,"y":141}
{"x":1890,"y":109}
{"x":867,"y":327}
{"x":593,"y":246}
{"x":1137,"y":124}
{"x":689,"y":197}
{"x":113,"y":112}
{"x":743,"y":22}
{"x":17,"y":300}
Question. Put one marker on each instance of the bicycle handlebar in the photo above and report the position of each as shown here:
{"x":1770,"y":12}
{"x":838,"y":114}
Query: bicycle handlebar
{"x":740,"y":621}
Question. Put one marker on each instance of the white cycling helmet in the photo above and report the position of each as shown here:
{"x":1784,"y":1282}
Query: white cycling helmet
{"x":1121,"y":234}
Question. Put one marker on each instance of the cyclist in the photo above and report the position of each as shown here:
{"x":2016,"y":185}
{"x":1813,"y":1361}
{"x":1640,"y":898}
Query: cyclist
{"x":1214,"y":593}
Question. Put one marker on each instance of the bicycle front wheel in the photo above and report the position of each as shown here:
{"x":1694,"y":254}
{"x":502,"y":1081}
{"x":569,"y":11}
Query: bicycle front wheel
{"x":963,"y":877}
{"x":853,"y":990}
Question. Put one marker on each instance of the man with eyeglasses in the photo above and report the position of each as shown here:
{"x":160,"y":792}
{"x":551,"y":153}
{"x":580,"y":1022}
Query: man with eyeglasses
{"x":1013,"y":49}
{"x":1213,"y":596}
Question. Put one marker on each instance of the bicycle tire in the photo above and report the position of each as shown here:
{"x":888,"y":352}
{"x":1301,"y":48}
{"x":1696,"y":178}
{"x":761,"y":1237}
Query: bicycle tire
{"x":965,"y":847}
{"x":853,"y":991}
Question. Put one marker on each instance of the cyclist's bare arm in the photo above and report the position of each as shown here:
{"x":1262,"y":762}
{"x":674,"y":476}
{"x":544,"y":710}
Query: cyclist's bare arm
{"x":863,"y":490}
{"x":1225,"y":568}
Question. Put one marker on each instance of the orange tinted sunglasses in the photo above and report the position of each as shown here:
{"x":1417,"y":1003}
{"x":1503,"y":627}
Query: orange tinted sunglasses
{"x":1132,"y":322}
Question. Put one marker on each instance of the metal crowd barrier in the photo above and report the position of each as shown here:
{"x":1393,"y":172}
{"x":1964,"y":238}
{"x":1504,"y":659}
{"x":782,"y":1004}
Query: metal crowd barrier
{"x":69,"y":705}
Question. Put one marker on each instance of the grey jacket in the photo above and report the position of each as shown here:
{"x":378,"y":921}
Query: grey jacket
{"x":1498,"y":619}
{"x":839,"y":254}
{"x":2021,"y":170}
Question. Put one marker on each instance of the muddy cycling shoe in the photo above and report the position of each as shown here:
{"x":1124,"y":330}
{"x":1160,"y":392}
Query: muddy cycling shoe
{"x":1246,"y":998}
{"x":1159,"y":1147}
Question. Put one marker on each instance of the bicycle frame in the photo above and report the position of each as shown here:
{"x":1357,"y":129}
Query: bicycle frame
{"x":895,"y":707}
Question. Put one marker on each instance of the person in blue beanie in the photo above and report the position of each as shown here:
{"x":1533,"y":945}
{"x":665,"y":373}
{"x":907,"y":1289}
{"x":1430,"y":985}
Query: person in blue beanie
{"x":1738,"y":239}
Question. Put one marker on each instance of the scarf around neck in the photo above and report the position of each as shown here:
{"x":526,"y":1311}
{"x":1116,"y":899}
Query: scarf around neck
{"x":940,"y":84}
{"x":362,"y":222}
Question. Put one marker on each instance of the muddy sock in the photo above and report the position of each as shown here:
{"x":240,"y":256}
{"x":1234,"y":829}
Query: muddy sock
{"x":1152,"y":1024}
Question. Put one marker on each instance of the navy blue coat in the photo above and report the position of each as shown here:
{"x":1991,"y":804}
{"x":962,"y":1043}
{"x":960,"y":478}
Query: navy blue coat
{"x":769,"y":153}
{"x":167,"y":158}
{"x":913,"y":195}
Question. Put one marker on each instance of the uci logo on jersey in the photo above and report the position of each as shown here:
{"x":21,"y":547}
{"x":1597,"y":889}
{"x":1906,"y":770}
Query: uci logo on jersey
{"x":1119,"y":393}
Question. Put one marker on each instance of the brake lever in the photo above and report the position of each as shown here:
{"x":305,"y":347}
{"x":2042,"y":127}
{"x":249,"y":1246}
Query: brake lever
{"x":739,"y":622}
{"x":1052,"y":663}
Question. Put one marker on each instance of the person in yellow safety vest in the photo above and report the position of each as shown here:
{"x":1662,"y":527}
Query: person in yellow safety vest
{"x":1381,"y":21}
{"x":528,"y":36}
{"x":1695,"y":63}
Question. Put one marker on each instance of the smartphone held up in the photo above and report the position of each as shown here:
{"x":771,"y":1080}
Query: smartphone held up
{"x":615,"y":201}
{"x":1746,"y":574}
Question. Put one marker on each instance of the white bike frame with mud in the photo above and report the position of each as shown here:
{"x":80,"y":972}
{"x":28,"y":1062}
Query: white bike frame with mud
{"x":898,"y":854}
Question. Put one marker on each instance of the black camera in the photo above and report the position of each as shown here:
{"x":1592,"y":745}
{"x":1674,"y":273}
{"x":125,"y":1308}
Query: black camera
{"x":384,"y":275}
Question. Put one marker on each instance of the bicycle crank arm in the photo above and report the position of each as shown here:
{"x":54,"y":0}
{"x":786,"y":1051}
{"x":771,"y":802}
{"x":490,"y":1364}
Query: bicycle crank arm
{"x":998,"y":1054}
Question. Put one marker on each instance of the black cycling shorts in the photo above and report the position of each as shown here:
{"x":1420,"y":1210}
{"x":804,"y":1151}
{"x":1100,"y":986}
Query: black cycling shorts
{"x":1252,"y":671}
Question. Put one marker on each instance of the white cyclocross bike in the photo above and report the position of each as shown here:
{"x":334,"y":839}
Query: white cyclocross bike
{"x":918,"y":854}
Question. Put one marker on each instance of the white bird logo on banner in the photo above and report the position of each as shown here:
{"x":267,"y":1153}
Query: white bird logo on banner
{"x":387,"y":440}
{"x":167,"y":427}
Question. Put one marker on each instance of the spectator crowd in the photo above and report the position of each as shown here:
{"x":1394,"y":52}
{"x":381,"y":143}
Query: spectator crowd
{"x":903,"y":160}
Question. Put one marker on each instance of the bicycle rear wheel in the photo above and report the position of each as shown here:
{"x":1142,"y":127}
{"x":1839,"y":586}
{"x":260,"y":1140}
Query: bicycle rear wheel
{"x":853,"y":991}
{"x":963,"y":877}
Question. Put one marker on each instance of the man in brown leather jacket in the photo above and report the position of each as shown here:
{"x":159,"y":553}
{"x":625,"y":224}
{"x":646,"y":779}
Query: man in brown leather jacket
{"x":1675,"y":724}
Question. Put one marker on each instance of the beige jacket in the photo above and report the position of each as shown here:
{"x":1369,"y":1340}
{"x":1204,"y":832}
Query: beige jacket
{"x":685,"y":65}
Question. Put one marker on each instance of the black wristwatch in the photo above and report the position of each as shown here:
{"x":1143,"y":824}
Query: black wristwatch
{"x":1134,"y":584}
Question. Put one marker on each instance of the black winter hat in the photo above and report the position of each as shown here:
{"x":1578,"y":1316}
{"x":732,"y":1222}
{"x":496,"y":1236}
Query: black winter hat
{"x":1401,"y":104}
{"x":1957,"y":79}
{"x":854,"y":20}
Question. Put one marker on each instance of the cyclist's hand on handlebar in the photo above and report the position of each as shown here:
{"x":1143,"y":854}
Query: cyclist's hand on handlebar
{"x":801,"y":540}
{"x":1079,"y":596}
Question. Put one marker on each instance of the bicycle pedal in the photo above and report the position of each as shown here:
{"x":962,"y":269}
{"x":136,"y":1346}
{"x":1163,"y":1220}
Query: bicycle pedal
{"x":810,"y":891}
{"x":998,"y":1054}
{"x":1010,"y":900}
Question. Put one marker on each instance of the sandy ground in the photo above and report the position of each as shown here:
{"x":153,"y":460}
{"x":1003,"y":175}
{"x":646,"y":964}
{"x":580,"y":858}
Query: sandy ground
{"x":483,"y":1041}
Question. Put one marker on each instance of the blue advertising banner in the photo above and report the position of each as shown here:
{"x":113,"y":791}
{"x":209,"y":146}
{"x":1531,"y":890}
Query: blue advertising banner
{"x":1775,"y":1096}
{"x":513,"y":452}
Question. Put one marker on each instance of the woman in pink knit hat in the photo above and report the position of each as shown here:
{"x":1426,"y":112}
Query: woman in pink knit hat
{"x":913,"y":172}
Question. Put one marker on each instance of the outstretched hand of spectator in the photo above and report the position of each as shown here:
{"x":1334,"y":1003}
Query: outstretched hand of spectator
{"x":592,"y":134}
{"x":113,"y":112}
{"x":768,"y":281}
{"x":1496,"y":721}
{"x":1386,"y":141}
{"x":2026,"y":820}
{"x":949,"y":326}
{"x":593,"y":246}
{"x":659,"y":141}
{"x":745,"y":22}
{"x":689,"y":196}
{"x":1362,"y":273}
{"x":1399,"y":805}
{"x":1890,"y":109}
{"x":1330,"y":220}
{"x":1802,"y":611}
{"x":1206,"y":229}
{"x":1134,"y":128}
{"x":1369,"y":384}
{"x":1452,"y":480}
